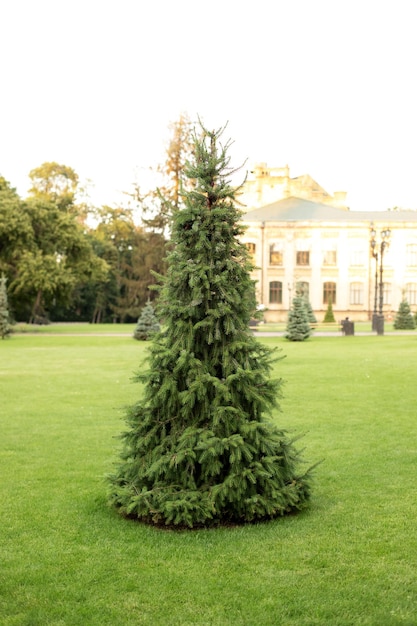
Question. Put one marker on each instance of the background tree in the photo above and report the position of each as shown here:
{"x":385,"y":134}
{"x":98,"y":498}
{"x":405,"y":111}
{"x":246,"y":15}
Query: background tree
{"x":198,"y":448}
{"x":4,"y":309}
{"x":54,"y":182}
{"x":298,"y":325}
{"x":404,"y":319}
{"x":147,"y":324}
{"x":133,"y":254}
{"x":58,"y":268}
{"x":45,"y":250}
{"x":329,"y":317}
{"x":178,"y":152}
{"x":159,"y":205}
{"x":15,"y":228}
{"x":58,"y":257}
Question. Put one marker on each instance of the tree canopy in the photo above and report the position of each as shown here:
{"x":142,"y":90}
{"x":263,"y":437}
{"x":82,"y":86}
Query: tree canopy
{"x":55,"y":182}
{"x":44,"y":249}
{"x":59,"y":267}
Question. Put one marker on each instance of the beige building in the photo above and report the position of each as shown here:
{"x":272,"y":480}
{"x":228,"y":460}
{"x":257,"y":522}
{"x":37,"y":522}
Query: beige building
{"x":316,"y":245}
{"x":269,"y":184}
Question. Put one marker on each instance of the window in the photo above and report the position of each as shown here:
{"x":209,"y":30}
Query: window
{"x":411,"y":293}
{"x":275,"y":292}
{"x":303,"y":257}
{"x":303,"y":289}
{"x":411,"y":252}
{"x":251,"y":248}
{"x":275,"y":254}
{"x":386,"y":293}
{"x":356,"y":293}
{"x":330,"y":257}
{"x":329,"y":293}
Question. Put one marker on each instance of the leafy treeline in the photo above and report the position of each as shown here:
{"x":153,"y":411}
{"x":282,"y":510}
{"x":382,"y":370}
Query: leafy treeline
{"x":58,"y":268}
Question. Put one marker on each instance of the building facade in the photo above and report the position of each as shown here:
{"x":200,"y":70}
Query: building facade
{"x":324,"y":251}
{"x":269,"y":184}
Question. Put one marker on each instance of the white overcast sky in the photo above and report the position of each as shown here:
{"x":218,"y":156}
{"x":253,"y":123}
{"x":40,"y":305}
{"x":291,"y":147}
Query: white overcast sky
{"x":325,"y":86}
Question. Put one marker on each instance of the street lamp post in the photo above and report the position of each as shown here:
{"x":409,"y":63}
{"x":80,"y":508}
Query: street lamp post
{"x":377,"y":251}
{"x":374,"y":253}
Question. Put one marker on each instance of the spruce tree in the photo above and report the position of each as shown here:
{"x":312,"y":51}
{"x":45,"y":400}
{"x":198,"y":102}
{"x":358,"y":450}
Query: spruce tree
{"x":298,"y":325}
{"x":199,"y":448}
{"x":404,"y":319}
{"x":147,"y":324}
{"x":310,"y":313}
{"x":4,"y":309}
{"x":329,"y":317}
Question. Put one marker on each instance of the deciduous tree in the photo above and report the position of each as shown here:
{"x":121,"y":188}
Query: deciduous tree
{"x":159,"y":205}
{"x":4,"y":309}
{"x":56,"y":182}
{"x":45,"y":249}
{"x":15,"y":227}
{"x":133,"y":252}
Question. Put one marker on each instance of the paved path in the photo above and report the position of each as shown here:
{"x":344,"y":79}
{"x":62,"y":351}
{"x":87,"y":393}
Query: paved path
{"x":258,"y":333}
{"x":330,"y":333}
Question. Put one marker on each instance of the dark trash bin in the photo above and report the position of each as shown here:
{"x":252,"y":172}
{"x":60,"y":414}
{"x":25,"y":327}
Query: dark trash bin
{"x":379,"y":324}
{"x":348,"y":327}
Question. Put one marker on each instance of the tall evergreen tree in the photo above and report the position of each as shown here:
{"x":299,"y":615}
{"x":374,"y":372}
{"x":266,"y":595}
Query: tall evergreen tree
{"x":303,"y":291}
{"x":404,"y":319}
{"x":4,"y":309}
{"x":199,"y":449}
{"x":298,"y":325}
{"x":147,"y":324}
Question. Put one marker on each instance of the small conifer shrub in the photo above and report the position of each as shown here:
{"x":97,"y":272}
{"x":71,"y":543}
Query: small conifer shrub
{"x":298,"y":325}
{"x":4,"y":309}
{"x":199,"y":448}
{"x":147,"y":324}
{"x":329,"y":315}
{"x":404,"y":319}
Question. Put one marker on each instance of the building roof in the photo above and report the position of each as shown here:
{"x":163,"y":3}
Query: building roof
{"x":299,"y":210}
{"x":307,"y":182}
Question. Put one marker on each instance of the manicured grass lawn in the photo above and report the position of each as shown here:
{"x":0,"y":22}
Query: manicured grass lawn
{"x":69,"y":560}
{"x":68,"y":328}
{"x":83,"y":328}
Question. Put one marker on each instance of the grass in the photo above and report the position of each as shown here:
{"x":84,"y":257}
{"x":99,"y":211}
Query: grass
{"x":67,"y":559}
{"x":84,"y":328}
{"x":67,"y":328}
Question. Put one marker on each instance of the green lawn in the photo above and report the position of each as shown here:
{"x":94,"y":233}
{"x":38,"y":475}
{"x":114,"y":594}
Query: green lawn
{"x":67,"y":328}
{"x":69,"y":560}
